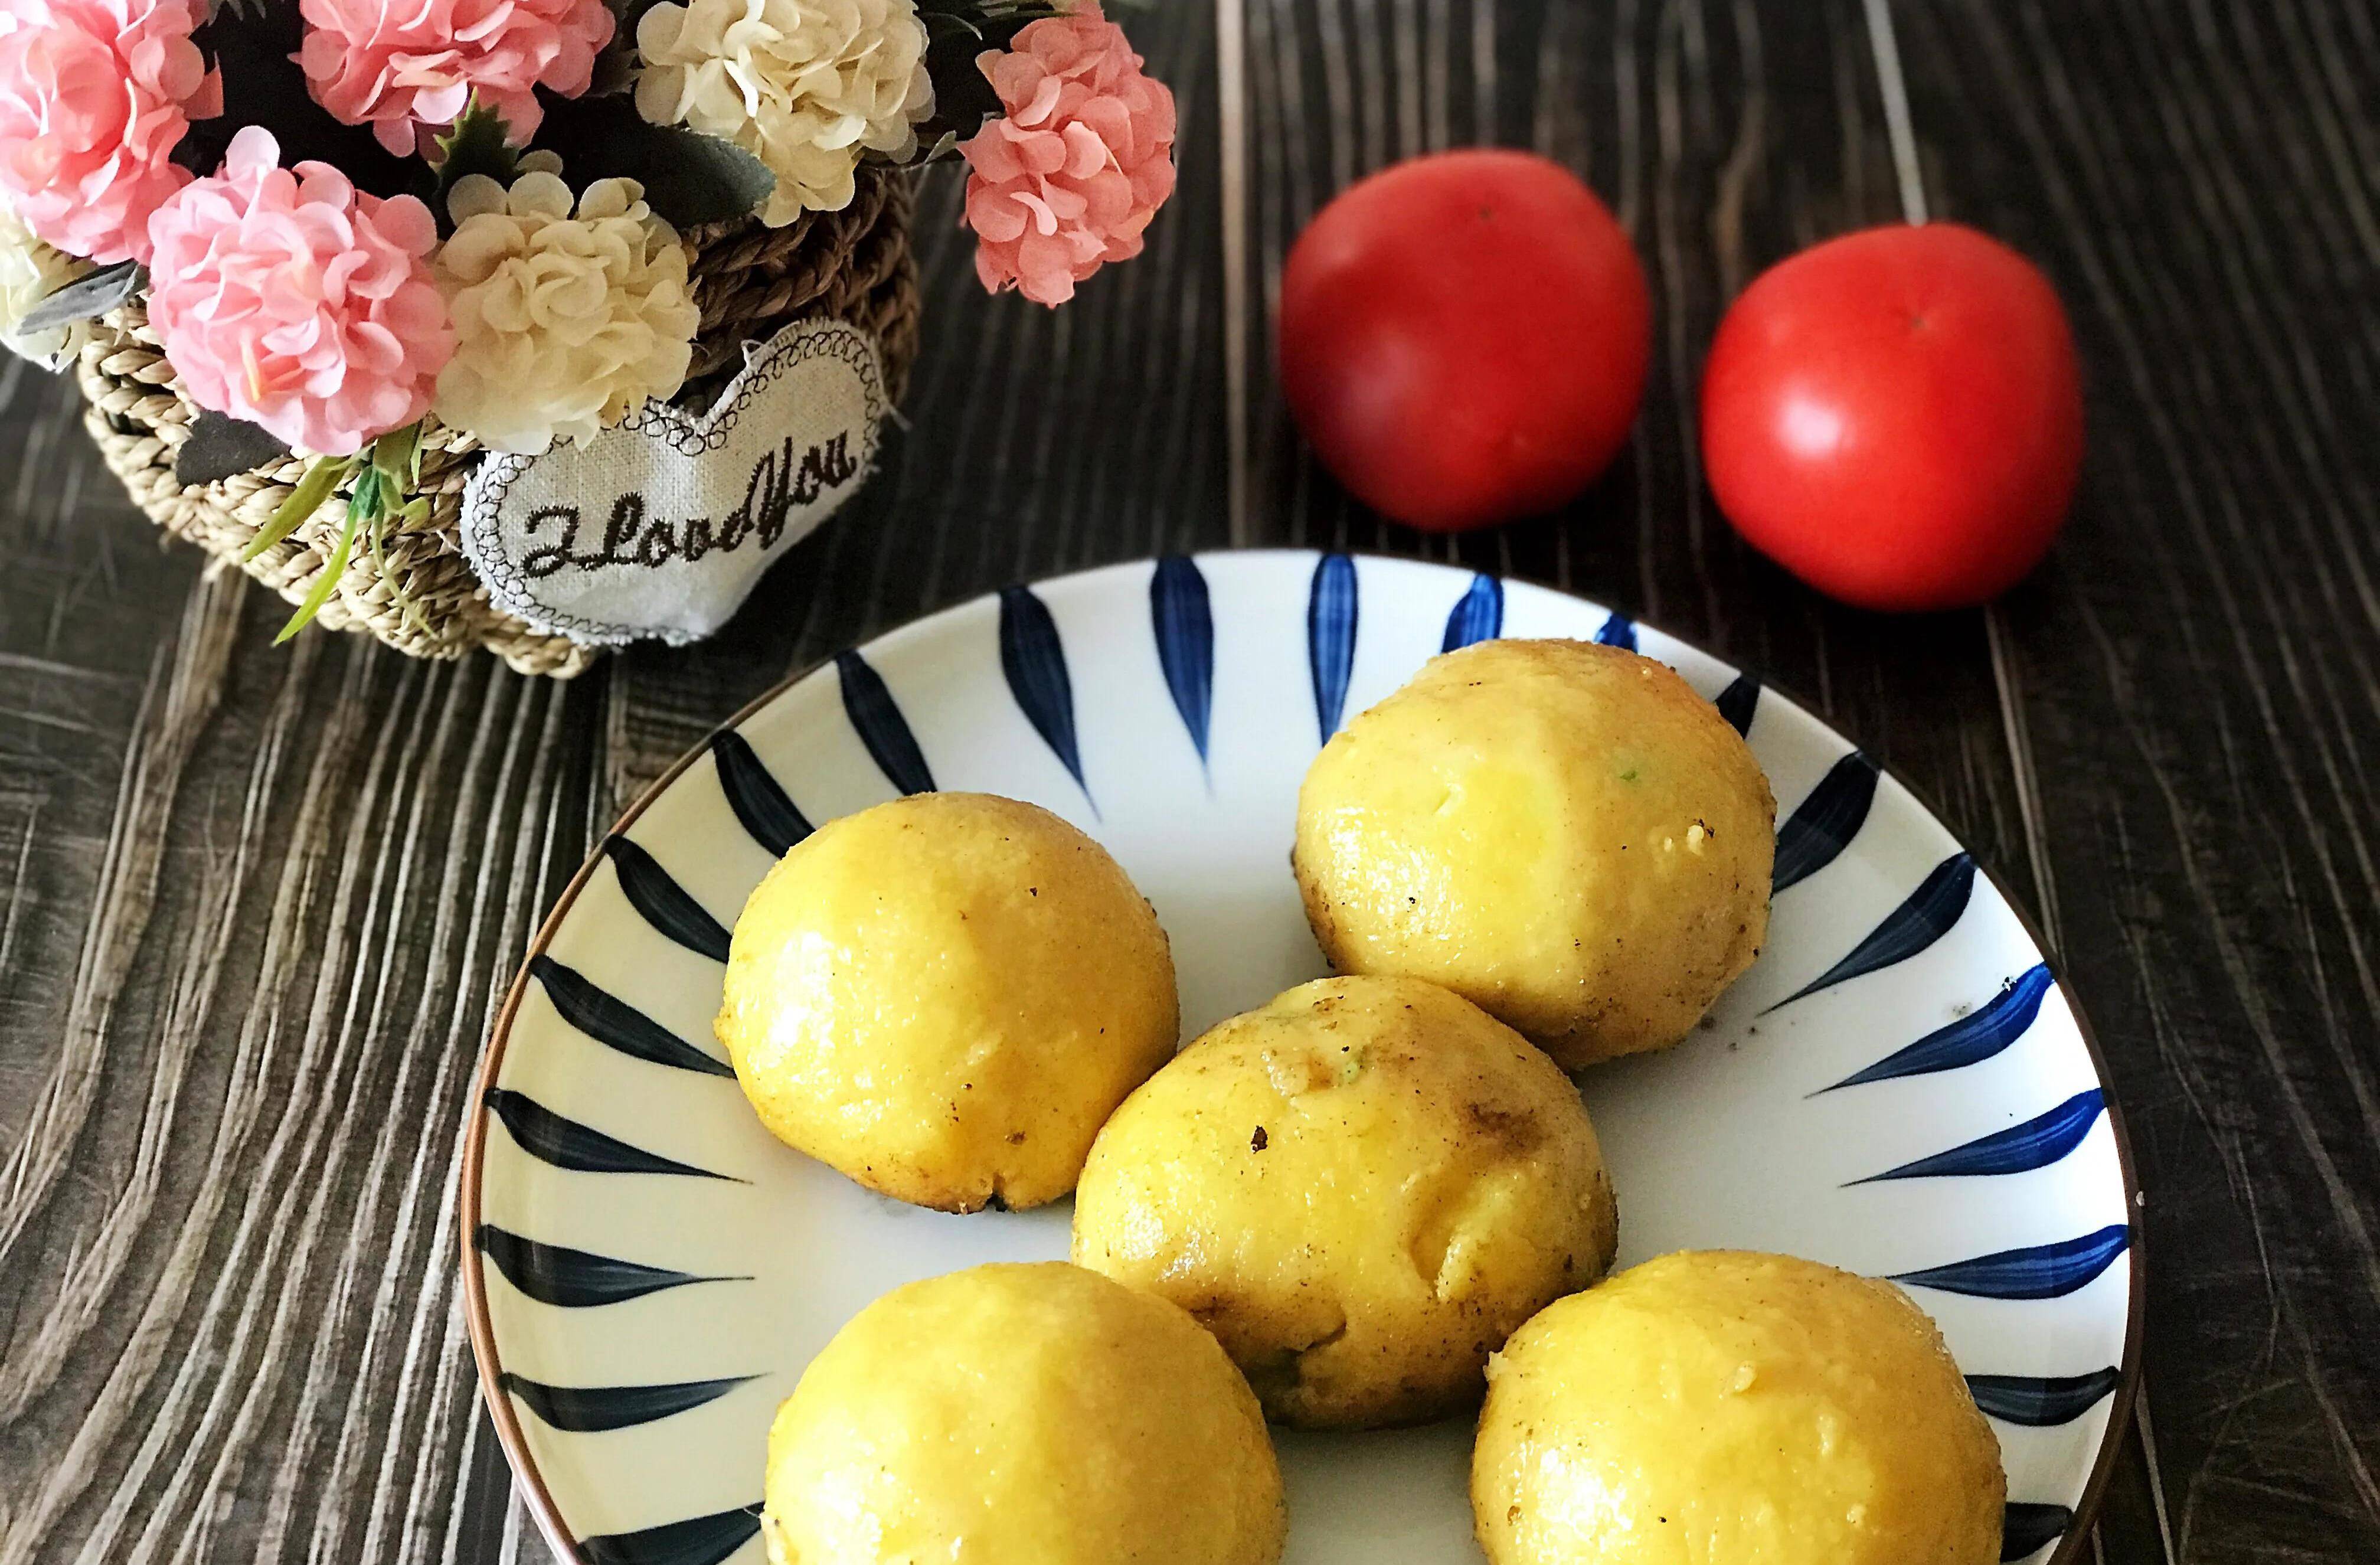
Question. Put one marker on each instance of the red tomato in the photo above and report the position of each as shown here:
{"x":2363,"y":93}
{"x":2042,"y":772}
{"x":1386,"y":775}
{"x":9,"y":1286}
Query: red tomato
{"x":1896,"y":416}
{"x":1463,"y":337}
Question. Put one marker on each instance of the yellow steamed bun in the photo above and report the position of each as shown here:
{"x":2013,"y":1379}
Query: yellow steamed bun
{"x":1361,"y":1189}
{"x":944,"y":996}
{"x":1564,"y":834}
{"x":1021,"y":1416}
{"x":1734,"y":1408}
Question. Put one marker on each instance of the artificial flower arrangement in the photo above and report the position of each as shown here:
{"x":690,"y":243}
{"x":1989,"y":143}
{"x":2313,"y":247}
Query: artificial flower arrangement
{"x":328,"y":269}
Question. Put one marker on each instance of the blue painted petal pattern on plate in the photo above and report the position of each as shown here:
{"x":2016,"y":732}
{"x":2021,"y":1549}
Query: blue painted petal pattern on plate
{"x":2038,"y":1272}
{"x":2035,"y":1143}
{"x":1035,"y":662}
{"x":1739,"y":702}
{"x":2027,"y":1528}
{"x":587,"y":1410}
{"x":1972,"y":1038}
{"x":1331,"y":638}
{"x":567,"y":1144}
{"x":665,"y":905}
{"x":882,"y":728}
{"x":1478,"y":614}
{"x":555,"y":1274}
{"x":616,"y":1023}
{"x":1184,"y":625}
{"x":1187,"y":656}
{"x":1618,"y":631}
{"x":1917,"y":923}
{"x":699,"y":1540}
{"x":753,"y":792}
{"x":1823,"y":824}
{"x":2040,"y":1401}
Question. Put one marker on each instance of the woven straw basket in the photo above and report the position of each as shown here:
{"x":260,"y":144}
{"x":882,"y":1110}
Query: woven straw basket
{"x":417,"y":594}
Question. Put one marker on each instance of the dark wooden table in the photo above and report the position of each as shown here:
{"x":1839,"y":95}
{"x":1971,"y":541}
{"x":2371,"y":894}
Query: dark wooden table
{"x":259,"y":904}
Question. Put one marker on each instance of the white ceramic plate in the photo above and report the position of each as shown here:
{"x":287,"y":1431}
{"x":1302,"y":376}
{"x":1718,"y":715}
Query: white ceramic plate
{"x":1899,"y":1086}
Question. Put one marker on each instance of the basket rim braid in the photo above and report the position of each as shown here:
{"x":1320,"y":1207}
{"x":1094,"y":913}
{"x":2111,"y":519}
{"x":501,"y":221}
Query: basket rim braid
{"x":416,"y":591}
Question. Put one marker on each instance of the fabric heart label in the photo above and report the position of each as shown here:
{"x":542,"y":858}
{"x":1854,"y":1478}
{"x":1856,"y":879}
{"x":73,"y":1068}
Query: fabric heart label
{"x":660,"y":527}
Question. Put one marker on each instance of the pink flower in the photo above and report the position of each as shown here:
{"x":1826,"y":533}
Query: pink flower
{"x":93,"y":96}
{"x":406,"y":68}
{"x":286,"y":297}
{"x":1082,"y":162}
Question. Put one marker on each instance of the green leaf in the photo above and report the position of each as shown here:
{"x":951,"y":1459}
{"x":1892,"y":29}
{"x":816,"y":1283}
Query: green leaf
{"x":328,"y":582}
{"x":688,"y":178}
{"x":615,"y":68}
{"x":365,"y":498}
{"x":479,"y":141}
{"x":376,"y":536}
{"x":325,"y":474}
{"x":396,"y":457}
{"x":413,"y":514}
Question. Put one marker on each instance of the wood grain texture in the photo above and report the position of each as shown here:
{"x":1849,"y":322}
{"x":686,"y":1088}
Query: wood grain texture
{"x":2198,"y":673}
{"x":240,"y":1318}
{"x":259,"y":905}
{"x":256,"y":907}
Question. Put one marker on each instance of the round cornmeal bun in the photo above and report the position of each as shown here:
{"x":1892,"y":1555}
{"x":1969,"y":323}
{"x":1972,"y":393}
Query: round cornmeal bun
{"x":1022,"y":1416}
{"x":1565,"y":834}
{"x":1361,"y":1189}
{"x":944,"y":996}
{"x":1734,"y":1408}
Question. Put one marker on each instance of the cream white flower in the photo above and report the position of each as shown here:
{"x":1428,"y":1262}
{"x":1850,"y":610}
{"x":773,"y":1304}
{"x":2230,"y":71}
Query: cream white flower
{"x":565,"y":323}
{"x":805,"y":86}
{"x":29,"y":273}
